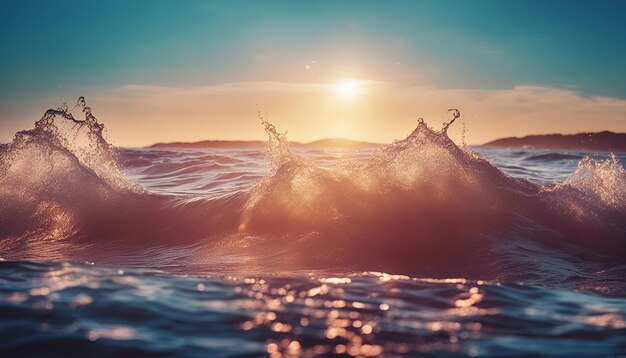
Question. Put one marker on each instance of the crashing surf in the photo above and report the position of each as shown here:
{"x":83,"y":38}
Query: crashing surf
{"x":420,"y":205}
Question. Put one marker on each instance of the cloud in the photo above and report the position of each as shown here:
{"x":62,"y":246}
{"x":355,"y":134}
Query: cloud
{"x":144,"y":114}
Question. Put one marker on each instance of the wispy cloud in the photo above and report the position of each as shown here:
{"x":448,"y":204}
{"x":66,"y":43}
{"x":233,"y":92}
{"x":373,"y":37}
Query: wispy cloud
{"x":143,"y":114}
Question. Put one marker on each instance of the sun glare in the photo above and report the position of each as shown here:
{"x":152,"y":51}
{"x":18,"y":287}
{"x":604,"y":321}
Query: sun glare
{"x":348,"y":88}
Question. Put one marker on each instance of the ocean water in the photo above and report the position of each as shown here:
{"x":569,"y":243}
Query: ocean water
{"x":418,"y":247}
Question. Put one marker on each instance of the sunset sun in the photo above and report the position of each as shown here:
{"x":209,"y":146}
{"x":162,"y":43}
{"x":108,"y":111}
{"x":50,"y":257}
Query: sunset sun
{"x":348,"y":88}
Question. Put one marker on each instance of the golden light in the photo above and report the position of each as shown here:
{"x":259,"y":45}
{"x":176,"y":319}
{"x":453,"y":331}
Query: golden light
{"x":348,"y":89}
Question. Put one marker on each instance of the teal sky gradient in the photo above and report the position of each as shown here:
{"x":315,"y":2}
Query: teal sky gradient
{"x":478,"y":44}
{"x":59,"y":48}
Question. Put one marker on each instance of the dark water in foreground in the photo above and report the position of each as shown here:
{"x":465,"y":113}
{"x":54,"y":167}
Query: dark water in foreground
{"x":418,"y":247}
{"x":73,"y":309}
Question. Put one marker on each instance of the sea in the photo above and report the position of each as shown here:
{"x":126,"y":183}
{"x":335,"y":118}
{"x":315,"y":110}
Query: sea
{"x":419,"y":247}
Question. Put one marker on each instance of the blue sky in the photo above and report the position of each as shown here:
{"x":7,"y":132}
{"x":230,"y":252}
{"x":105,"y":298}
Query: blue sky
{"x":63,"y":48}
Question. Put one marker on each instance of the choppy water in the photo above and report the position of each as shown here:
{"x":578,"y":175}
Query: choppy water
{"x":418,"y":247}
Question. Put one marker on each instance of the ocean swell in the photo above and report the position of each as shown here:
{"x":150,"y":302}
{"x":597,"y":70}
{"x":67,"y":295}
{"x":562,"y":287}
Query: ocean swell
{"x":424,"y":200}
{"x":421,"y":204}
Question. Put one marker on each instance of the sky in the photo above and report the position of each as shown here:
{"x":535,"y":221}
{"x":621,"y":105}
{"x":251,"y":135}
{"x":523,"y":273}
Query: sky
{"x":156,"y":71}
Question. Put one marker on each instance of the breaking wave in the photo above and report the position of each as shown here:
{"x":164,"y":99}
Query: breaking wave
{"x":420,"y":204}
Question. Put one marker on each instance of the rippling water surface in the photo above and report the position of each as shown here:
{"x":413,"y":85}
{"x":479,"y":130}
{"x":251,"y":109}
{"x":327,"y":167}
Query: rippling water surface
{"x":77,"y":308}
{"x":417,"y":247}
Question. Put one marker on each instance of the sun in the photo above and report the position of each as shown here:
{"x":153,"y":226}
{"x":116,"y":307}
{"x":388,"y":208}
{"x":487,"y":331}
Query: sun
{"x":348,"y":88}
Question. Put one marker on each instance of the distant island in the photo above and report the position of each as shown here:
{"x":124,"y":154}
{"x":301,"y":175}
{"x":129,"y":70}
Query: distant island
{"x":601,"y":142}
{"x":322,"y":143}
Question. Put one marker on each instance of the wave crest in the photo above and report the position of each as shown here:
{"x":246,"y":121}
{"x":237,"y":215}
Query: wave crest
{"x":55,"y":177}
{"x":603,"y":181}
{"x":420,"y":203}
{"x":425,"y":195}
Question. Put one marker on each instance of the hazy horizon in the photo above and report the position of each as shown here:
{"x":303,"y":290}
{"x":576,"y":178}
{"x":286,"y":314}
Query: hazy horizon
{"x":264,"y":140}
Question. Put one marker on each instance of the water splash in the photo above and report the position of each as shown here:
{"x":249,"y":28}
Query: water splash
{"x":411,"y":191}
{"x":456,"y":114}
{"x":418,"y":204}
{"x":81,"y":140}
{"x":424,"y":195}
{"x":601,"y":181}
{"x":278,"y":149}
{"x":54,"y":177}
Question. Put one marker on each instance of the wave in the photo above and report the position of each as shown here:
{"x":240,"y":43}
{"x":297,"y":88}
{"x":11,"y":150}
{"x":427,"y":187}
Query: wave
{"x":419,"y":204}
{"x":62,"y":194}
{"x":425,"y":202}
{"x":51,"y":174}
{"x":554,"y":157}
